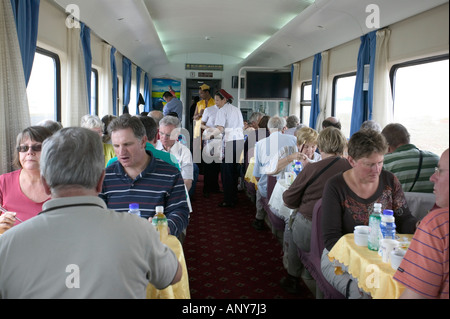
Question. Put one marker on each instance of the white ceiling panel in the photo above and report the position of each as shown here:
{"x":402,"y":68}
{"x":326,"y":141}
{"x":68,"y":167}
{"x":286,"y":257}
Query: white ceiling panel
{"x":271,"y":33}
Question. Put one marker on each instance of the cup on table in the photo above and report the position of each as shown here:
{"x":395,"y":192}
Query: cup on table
{"x":397,"y":257}
{"x":404,"y":243}
{"x":289,"y":178}
{"x":386,"y":247}
{"x":361,"y":235}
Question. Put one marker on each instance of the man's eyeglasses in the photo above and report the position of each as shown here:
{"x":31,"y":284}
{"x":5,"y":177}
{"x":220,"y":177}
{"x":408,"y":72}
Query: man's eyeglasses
{"x":25,"y":148}
{"x":438,"y":170}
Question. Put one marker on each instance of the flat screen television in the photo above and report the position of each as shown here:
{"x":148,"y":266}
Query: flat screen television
{"x":268,"y":85}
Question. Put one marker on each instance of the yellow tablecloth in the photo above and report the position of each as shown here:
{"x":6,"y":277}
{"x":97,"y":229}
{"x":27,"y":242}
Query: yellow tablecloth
{"x":374,"y":276}
{"x":249,"y":173}
{"x":181,"y":289}
{"x":197,"y":130}
{"x":277,"y":203}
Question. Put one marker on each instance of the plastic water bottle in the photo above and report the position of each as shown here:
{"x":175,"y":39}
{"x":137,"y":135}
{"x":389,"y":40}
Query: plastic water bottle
{"x":159,"y":220}
{"x":298,"y":167}
{"x":374,"y":227}
{"x":134,"y":209}
{"x":387,"y":224}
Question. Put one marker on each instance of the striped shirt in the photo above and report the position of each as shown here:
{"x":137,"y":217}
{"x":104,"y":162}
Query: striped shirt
{"x":404,"y":163}
{"x":160,"y":184}
{"x":424,"y":269}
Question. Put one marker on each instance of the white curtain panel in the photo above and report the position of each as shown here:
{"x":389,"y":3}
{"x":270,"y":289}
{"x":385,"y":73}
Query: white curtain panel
{"x":14,"y":112}
{"x":323,"y":90}
{"x":105,"y":85}
{"x":77,"y":101}
{"x":132,"y":104}
{"x":294,"y":108}
{"x":382,"y":111}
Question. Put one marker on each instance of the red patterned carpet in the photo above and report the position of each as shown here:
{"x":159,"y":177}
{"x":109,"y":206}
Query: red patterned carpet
{"x":227,"y":258}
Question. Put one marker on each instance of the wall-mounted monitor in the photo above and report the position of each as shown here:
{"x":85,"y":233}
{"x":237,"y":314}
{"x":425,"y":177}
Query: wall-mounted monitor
{"x":268,"y":85}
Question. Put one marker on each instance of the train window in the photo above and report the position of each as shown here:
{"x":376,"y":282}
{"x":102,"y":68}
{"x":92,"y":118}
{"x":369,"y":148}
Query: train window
{"x":305,"y":102}
{"x":94,"y":92}
{"x":421,"y":99}
{"x":343,"y":91}
{"x":44,"y":87}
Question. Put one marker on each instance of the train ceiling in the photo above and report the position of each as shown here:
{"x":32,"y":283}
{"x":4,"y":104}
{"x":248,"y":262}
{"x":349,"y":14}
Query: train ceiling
{"x":272,"y":33}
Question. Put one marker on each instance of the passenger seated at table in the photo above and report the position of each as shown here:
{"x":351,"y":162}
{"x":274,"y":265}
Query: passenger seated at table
{"x":413,"y":167}
{"x":265,"y":149}
{"x":139,"y":177}
{"x":304,"y":152}
{"x":348,"y":200}
{"x":304,"y":193}
{"x":253,"y":133}
{"x":22,"y":193}
{"x":94,"y":123}
{"x":424,"y":268}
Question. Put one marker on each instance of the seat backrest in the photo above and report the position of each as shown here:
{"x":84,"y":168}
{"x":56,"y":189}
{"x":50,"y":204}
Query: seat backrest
{"x":271,"y":181}
{"x":312,"y":259}
{"x":420,"y":203}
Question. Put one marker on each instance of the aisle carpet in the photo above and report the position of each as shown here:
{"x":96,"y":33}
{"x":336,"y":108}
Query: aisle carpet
{"x":227,"y":258}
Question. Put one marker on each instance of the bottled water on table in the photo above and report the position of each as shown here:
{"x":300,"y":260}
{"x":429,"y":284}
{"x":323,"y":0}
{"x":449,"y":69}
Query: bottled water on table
{"x":298,"y":167}
{"x":374,"y":227}
{"x":134,"y":209}
{"x":387,"y":225}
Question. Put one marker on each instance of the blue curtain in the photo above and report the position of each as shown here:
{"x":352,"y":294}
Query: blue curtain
{"x":26,"y":15}
{"x":138,"y":86}
{"x":315,"y":107}
{"x":126,"y":75}
{"x":85,"y":35}
{"x":114,"y":80}
{"x":146,"y":93}
{"x":363,"y":100}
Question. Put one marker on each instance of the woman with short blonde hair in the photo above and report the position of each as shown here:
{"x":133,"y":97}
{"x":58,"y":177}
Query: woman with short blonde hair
{"x":307,"y":143}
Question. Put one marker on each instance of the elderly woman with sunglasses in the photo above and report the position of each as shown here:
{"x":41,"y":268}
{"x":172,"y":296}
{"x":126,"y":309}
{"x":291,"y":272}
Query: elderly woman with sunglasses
{"x":22,"y":192}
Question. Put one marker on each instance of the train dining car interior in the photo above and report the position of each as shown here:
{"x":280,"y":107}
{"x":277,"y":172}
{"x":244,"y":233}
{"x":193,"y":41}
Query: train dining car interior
{"x":210,"y":74}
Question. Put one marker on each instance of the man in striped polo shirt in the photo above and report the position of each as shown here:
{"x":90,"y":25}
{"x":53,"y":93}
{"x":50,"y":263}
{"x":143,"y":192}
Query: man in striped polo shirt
{"x":139,"y":177}
{"x":424,"y":269}
{"x":403,"y":160}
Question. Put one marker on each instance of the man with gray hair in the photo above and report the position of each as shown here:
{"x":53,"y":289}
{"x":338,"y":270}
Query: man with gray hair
{"x":254,"y":120}
{"x":76,"y":247}
{"x":292,"y":122}
{"x":168,"y":142}
{"x":371,"y":125}
{"x":264,"y":150}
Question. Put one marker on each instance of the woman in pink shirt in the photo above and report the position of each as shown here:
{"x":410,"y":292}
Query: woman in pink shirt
{"x":22,"y":192}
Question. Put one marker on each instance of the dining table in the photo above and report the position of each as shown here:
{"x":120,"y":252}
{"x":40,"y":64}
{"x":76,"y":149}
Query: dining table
{"x":374,"y":276}
{"x":180,"y":290}
{"x":249,"y":173}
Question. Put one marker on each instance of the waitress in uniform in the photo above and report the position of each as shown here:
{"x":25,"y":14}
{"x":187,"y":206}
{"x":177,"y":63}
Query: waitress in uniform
{"x":230,"y":123}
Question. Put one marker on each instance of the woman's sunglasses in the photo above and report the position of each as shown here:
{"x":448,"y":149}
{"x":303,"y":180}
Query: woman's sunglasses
{"x":25,"y":148}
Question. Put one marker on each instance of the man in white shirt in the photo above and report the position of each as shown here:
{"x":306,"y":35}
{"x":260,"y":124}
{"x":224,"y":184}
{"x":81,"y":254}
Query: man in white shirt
{"x":168,"y":141}
{"x":265,"y":149}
